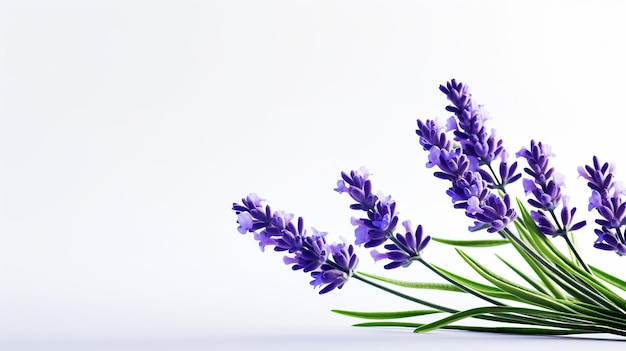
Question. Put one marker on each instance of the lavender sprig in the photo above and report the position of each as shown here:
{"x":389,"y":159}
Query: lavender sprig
{"x":405,"y":248}
{"x":381,"y":219}
{"x":607,"y":199}
{"x":469,"y":190}
{"x":545,"y":185}
{"x":381,"y":222}
{"x":311,"y":253}
{"x":408,"y":248}
{"x":479,"y":144}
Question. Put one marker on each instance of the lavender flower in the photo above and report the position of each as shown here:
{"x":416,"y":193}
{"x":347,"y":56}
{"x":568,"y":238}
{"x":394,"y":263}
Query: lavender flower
{"x":606,"y":198}
{"x":381,"y":218}
{"x":381,"y":221}
{"x":310,"y":253}
{"x":430,"y":134}
{"x":545,"y":186}
{"x":333,"y":276}
{"x":478,"y":144}
{"x":405,"y":249}
{"x":468,"y":189}
{"x":494,"y":214}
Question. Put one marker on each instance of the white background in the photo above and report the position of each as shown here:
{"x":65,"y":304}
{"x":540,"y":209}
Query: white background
{"x":128,"y":129}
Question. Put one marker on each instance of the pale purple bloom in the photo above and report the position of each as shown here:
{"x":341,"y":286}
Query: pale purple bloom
{"x":477,"y":142}
{"x":310,"y":252}
{"x":494,"y":214}
{"x":431,"y":134}
{"x":245,"y":222}
{"x":607,"y":199}
{"x":468,"y":189}
{"x":381,"y":220}
{"x":470,"y":185}
{"x":406,"y":248}
{"x":609,"y":240}
{"x":545,"y":186}
{"x":334,"y":274}
{"x":380,"y":223}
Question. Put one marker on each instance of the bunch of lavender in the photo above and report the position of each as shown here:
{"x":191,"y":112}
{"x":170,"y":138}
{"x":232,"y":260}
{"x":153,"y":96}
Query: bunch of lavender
{"x":557,"y":294}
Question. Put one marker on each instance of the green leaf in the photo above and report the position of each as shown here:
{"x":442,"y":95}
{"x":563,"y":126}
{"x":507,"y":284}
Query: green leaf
{"x":611,"y":279}
{"x":472,"y":243}
{"x":483,"y":288}
{"x":476,"y":312}
{"x":539,"y":270}
{"x":385,"y":315}
{"x":525,"y":295}
{"x":560,"y":270}
{"x":498,"y":330}
{"x":388,"y":324}
{"x":524,"y":276}
{"x":414,"y":285}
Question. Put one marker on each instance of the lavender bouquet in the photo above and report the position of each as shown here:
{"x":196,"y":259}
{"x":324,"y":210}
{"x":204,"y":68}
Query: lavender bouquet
{"x":558,"y":293}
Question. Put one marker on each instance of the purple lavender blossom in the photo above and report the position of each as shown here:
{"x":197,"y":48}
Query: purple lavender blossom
{"x":545,"y":186}
{"x":479,"y":144}
{"x":468,"y":189}
{"x":335,"y":275}
{"x":406,"y":249}
{"x":430,"y":134}
{"x":380,"y":223}
{"x":310,"y":253}
{"x":494,"y":214}
{"x":609,"y":240}
{"x":607,"y":199}
{"x":381,"y":219}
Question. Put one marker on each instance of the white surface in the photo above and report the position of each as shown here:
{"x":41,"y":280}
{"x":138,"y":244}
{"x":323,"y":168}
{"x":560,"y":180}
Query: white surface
{"x":127,"y":129}
{"x":318,"y":339}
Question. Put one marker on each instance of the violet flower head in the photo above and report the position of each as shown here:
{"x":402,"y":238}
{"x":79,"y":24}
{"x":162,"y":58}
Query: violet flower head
{"x":606,"y":195}
{"x":406,"y":248}
{"x":469,"y":191}
{"x":545,"y":186}
{"x":309,"y":252}
{"x":607,"y":199}
{"x":477,"y":142}
{"x":381,"y":219}
{"x":358,"y":187}
{"x":494,"y":214}
{"x":431,"y":134}
{"x":610,"y":240}
{"x":335,"y":274}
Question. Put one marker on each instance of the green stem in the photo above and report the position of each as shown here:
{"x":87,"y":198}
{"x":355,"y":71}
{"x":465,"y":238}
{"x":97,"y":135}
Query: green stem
{"x":504,"y":318}
{"x":402,"y":295}
{"x":569,"y":280}
{"x":459,"y":285}
{"x":578,"y":258}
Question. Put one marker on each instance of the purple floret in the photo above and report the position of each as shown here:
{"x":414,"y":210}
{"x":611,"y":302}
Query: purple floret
{"x":309,"y":252}
{"x":607,"y":198}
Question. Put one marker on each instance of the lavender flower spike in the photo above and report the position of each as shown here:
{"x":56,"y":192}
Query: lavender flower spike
{"x":607,"y":199}
{"x":381,"y":219}
{"x":468,"y":189}
{"x":405,"y":249}
{"x":478,"y":143}
{"x":545,"y":185}
{"x":310,"y":253}
{"x":335,"y":275}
